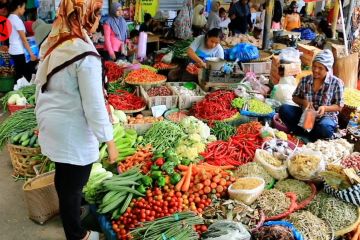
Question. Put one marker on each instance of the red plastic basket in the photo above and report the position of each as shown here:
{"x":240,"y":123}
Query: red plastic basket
{"x":14,"y":108}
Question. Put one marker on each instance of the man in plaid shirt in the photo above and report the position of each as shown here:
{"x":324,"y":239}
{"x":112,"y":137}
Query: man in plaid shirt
{"x":324,"y":91}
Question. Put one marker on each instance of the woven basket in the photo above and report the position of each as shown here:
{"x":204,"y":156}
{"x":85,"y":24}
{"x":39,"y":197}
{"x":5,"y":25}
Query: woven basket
{"x":41,"y":197}
{"x":21,"y":159}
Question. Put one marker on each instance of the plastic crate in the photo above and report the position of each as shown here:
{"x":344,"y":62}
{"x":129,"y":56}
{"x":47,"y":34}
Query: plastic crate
{"x":168,"y":101}
{"x":257,"y":67}
{"x":186,"y":102}
{"x":7,"y":83}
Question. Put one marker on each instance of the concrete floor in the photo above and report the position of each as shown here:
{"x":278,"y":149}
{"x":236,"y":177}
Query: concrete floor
{"x":14,"y":223}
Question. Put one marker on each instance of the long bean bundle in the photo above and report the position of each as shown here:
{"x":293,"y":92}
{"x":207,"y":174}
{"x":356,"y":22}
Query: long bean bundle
{"x":20,"y":121}
{"x":163,"y":135}
{"x":179,"y":226}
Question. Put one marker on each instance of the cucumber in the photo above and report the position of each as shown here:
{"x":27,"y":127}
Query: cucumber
{"x":25,"y":143}
{"x":25,"y":136}
{"x":17,"y":137}
{"x":36,"y":145}
{"x":32,"y":140}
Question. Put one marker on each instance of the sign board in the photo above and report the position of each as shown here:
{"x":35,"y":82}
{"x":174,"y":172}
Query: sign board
{"x":150,"y":6}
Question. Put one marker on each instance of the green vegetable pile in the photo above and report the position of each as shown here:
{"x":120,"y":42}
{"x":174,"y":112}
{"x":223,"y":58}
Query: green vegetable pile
{"x":26,"y":139}
{"x":119,"y":191}
{"x":93,"y":187}
{"x":223,"y":131}
{"x":28,"y":92}
{"x":114,"y":86}
{"x":125,"y":140}
{"x":335,"y":211}
{"x":163,"y":135}
{"x":179,"y":226}
{"x":19,"y":122}
{"x":180,"y":48}
{"x":252,"y":105}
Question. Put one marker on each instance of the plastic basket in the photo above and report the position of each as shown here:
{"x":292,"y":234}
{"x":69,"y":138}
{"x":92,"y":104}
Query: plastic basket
{"x":21,"y":159}
{"x":257,"y":67}
{"x":41,"y":197}
{"x":7,"y":83}
{"x":14,"y":108}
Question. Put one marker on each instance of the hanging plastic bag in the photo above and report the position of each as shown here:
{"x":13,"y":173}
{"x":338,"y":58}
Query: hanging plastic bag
{"x":243,"y":52}
{"x":34,"y":48}
{"x":289,"y":55}
{"x":308,"y":117}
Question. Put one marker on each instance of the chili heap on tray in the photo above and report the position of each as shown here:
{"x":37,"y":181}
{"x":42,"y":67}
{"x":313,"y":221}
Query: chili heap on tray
{"x":123,"y":100}
{"x":113,"y":71}
{"x":144,"y":76}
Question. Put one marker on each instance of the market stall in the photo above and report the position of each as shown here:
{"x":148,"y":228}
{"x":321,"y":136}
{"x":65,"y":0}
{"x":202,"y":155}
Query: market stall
{"x":208,"y":158}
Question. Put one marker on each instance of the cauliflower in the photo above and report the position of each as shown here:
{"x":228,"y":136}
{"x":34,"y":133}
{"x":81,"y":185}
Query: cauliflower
{"x":193,"y":125}
{"x":200,"y":147}
{"x":195,"y":137}
{"x":211,"y":138}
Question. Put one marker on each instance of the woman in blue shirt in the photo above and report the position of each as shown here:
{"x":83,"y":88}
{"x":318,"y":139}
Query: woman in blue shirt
{"x":205,"y":46}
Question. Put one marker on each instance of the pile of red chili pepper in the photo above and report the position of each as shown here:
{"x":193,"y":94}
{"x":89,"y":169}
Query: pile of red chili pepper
{"x":215,"y":106}
{"x":238,"y":150}
{"x":113,"y":71}
{"x":124,"y":100}
{"x":250,"y":127}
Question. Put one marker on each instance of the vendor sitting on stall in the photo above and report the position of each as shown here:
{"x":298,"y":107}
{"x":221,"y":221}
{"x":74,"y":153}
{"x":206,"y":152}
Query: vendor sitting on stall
{"x":324,"y":91}
{"x":205,"y":46}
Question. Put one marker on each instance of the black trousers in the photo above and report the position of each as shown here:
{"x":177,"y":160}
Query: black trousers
{"x":69,"y":182}
{"x":23,"y":69}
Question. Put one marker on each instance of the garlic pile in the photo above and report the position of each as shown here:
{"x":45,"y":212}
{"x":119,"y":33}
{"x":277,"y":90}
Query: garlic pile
{"x":332,"y":150}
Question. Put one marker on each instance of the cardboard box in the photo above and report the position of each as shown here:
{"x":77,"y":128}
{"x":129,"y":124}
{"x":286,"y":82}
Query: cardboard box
{"x":309,"y":53}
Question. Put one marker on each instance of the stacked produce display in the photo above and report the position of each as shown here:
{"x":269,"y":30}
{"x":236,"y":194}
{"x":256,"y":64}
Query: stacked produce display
{"x":212,"y":167}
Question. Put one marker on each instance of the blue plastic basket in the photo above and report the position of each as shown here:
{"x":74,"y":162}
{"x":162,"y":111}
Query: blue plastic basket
{"x":252,"y":114}
{"x":104,"y":223}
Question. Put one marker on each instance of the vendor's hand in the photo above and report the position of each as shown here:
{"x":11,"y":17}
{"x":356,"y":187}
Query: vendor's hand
{"x":33,"y":58}
{"x":321,"y":110}
{"x":113,"y":57}
{"x":201,"y":64}
{"x":112,"y":151}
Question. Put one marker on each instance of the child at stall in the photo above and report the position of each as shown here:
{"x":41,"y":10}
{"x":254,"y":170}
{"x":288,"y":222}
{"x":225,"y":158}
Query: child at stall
{"x":132,"y":45}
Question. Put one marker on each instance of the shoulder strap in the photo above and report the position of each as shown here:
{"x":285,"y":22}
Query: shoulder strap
{"x":66,"y":64}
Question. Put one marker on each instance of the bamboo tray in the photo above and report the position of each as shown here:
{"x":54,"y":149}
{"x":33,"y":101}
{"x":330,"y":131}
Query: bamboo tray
{"x":350,"y":228}
{"x":134,"y":111}
{"x":264,"y":56}
{"x":146,"y":83}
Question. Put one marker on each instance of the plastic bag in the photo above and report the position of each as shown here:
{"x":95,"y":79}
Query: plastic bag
{"x":20,"y":83}
{"x":247,"y":196}
{"x":243,"y":52}
{"x":235,"y":231}
{"x":255,"y":84}
{"x":276,"y":172}
{"x":308,"y":118}
{"x":34,"y":48}
{"x":305,"y":165}
{"x":297,"y":235}
{"x":168,"y":57}
{"x":290,"y":55}
{"x":283,"y":93}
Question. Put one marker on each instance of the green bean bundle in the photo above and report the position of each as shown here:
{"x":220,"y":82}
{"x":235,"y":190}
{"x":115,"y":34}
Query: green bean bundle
{"x":163,"y":135}
{"x":223,"y":131}
{"x":179,"y":226}
{"x":20,"y":121}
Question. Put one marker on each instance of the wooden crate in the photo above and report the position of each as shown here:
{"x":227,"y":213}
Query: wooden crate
{"x":186,"y":102}
{"x":168,"y":101}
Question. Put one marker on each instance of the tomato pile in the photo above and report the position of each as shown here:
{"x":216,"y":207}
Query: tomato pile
{"x":113,"y":71}
{"x":156,"y":204}
{"x":192,"y":69}
{"x":161,"y":65}
{"x":124,"y":100}
{"x":144,"y":76}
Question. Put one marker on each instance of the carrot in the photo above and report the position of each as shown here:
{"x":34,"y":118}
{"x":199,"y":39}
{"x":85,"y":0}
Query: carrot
{"x":186,"y":185}
{"x":357,"y":233}
{"x":180,"y":183}
{"x":183,"y":167}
